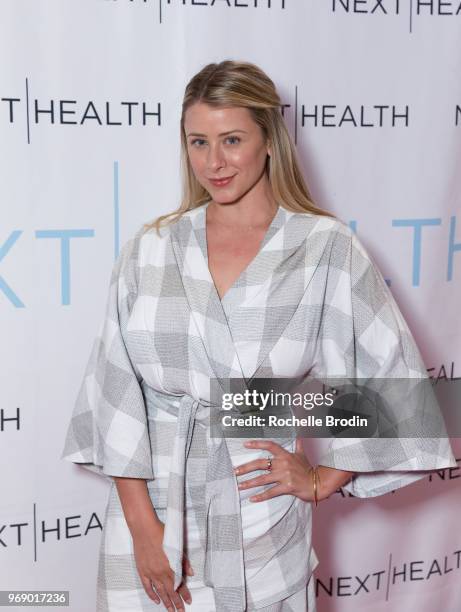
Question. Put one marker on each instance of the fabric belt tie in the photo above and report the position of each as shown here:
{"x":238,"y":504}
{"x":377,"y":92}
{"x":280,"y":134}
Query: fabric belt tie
{"x":224,"y":565}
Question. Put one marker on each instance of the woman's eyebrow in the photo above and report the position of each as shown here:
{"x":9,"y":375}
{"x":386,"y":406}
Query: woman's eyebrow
{"x":222,"y":133}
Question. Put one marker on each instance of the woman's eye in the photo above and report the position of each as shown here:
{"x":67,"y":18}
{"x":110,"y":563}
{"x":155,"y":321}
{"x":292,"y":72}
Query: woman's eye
{"x":198,"y":141}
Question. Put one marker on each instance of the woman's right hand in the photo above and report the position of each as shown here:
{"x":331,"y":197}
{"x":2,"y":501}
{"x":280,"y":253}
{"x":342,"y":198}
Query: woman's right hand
{"x":155,"y":571}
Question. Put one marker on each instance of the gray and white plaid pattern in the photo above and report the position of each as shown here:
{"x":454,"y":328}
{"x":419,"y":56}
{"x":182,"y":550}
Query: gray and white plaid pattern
{"x":221,"y":519}
{"x":311,"y":300}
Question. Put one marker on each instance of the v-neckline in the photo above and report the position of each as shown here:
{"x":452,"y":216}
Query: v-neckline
{"x":274,"y":226}
{"x":225,"y":325}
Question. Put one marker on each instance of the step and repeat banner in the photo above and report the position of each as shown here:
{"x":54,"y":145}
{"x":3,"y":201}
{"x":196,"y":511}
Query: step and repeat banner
{"x":90,"y":101}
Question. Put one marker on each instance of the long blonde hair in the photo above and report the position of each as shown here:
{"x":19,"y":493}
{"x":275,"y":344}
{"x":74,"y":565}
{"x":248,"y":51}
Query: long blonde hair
{"x":242,"y":84}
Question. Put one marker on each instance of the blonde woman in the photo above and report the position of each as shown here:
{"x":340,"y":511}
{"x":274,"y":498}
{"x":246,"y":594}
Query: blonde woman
{"x":246,"y":279}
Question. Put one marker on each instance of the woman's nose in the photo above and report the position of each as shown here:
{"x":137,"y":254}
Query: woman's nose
{"x":215,"y":157}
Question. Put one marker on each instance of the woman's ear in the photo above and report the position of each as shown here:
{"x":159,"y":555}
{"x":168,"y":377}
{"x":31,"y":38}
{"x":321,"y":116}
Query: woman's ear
{"x":268,"y":144}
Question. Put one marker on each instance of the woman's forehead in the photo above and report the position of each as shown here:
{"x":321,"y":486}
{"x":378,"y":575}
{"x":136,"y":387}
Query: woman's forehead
{"x":201,"y":115}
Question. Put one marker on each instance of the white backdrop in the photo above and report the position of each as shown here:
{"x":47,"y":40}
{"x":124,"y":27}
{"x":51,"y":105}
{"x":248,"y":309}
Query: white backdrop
{"x":90,"y":96}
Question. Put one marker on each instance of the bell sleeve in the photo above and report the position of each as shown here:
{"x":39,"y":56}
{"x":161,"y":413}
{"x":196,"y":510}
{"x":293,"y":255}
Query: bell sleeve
{"x":372,"y":342}
{"x":108,"y":431}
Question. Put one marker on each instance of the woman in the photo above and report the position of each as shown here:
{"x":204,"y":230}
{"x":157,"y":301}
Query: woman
{"x":247,"y":279}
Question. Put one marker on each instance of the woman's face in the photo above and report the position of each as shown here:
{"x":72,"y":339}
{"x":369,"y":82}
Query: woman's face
{"x":223,"y":143}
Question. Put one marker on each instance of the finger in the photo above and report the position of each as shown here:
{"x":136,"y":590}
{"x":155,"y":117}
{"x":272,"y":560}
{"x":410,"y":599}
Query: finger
{"x":268,"y":445}
{"x":177,"y":601}
{"x":164,"y":596}
{"x":185,"y":593}
{"x":188,"y":567}
{"x":147,"y":584}
{"x":263,"y":464}
{"x":258,"y":481}
{"x":269,"y":494}
{"x":251,"y":466}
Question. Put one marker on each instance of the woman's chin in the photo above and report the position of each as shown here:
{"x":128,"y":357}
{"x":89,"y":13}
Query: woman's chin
{"x":223,"y":198}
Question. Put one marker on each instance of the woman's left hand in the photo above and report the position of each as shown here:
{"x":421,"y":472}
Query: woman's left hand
{"x":290,"y":472}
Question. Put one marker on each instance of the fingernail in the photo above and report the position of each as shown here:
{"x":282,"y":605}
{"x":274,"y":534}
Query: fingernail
{"x":249,"y":443}
{"x":236,"y":470}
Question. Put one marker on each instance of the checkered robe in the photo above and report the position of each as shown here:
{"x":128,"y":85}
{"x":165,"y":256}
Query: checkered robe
{"x":312,"y":300}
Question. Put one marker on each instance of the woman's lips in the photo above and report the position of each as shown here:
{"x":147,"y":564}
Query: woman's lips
{"x":221,"y":182}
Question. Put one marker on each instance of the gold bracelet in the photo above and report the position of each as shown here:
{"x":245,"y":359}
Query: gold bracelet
{"x":318,"y":476}
{"x":315,"y":478}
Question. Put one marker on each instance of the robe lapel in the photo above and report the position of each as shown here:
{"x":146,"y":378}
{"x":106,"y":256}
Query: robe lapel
{"x":240,"y":330}
{"x":264,"y":299}
{"x":206,"y":308}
